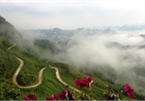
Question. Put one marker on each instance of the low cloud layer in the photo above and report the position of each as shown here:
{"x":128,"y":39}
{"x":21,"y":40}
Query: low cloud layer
{"x":122,"y":52}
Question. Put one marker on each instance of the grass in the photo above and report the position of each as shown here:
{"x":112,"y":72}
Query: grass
{"x":69,"y":75}
{"x":49,"y":86}
{"x":29,"y":73}
{"x":29,"y":76}
{"x":31,"y":68}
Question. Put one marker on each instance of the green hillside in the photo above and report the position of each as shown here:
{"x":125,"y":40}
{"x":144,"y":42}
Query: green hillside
{"x":32,"y":65}
{"x":28,"y":74}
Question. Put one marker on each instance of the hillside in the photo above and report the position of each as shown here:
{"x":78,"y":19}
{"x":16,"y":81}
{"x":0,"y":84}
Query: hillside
{"x":29,"y":72}
{"x":33,"y":62}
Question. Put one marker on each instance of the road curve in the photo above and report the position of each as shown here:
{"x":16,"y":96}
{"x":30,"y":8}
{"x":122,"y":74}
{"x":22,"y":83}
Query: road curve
{"x":12,"y":46}
{"x":64,"y":83}
{"x":14,"y":79}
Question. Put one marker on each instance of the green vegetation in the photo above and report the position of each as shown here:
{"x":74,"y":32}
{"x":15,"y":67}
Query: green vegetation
{"x":47,"y":45}
{"x":32,"y":65}
{"x":99,"y":87}
{"x":49,"y":86}
{"x":28,"y":74}
{"x":8,"y":66}
{"x":69,"y":75}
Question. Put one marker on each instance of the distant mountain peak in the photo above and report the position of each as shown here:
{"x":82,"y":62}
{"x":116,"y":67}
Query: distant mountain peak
{"x":57,"y":29}
{"x":132,"y":27}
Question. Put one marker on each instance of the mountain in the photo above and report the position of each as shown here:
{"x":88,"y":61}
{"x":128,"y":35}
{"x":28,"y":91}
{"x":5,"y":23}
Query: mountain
{"x":132,"y":27}
{"x":17,"y":51}
{"x":142,"y":35}
{"x":12,"y":47}
{"x":57,"y":34}
{"x":7,"y":30}
{"x":124,"y":47}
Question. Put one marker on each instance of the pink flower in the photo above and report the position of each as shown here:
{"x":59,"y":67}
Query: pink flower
{"x":89,"y":80}
{"x":129,"y":91}
{"x":53,"y":97}
{"x":81,"y":83}
{"x":111,"y":97}
{"x":30,"y":97}
{"x":63,"y":95}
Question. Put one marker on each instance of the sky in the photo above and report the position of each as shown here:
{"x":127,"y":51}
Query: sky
{"x":72,"y":14}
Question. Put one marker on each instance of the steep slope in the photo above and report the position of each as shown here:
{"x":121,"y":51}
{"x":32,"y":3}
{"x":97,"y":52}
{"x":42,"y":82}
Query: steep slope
{"x":7,"y":30}
{"x":70,"y":75}
{"x":28,"y":75}
{"x":12,"y":45}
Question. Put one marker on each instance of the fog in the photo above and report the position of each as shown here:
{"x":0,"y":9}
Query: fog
{"x":121,"y":53}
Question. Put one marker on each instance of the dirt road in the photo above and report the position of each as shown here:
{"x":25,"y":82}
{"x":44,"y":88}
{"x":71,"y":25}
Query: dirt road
{"x":17,"y":72}
{"x":40,"y":76}
{"x":60,"y":80}
{"x":11,"y":46}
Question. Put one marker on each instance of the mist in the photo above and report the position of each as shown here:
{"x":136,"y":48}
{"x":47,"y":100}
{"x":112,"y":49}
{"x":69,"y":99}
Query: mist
{"x":117,"y":52}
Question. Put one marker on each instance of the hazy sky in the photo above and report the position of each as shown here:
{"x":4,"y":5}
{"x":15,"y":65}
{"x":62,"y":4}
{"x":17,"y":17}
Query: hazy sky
{"x":72,"y":14}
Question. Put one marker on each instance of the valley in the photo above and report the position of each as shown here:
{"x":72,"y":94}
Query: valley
{"x":44,"y":67}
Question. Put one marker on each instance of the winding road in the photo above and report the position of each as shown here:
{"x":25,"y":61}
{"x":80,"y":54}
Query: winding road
{"x":17,"y":72}
{"x":60,"y":80}
{"x":64,"y":83}
{"x":14,"y":79}
{"x":12,"y":46}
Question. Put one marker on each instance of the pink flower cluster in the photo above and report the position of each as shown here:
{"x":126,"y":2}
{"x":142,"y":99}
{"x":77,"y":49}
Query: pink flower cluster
{"x":84,"y":83}
{"x":30,"y":97}
{"x":129,"y":91}
{"x":65,"y":95}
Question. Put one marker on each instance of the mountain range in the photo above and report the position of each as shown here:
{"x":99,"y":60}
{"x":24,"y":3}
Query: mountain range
{"x":29,"y":50}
